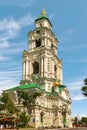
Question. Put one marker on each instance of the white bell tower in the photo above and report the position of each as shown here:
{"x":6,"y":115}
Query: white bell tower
{"x":41,"y":58}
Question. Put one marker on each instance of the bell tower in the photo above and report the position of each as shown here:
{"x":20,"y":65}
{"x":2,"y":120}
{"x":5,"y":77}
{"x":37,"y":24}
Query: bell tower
{"x":41,"y":59}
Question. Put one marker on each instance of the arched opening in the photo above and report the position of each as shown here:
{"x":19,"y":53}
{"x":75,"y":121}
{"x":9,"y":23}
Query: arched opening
{"x":64,"y":117}
{"x":35,"y":67}
{"x":38,"y":43}
{"x":41,"y":117}
{"x":51,"y":46}
{"x":52,"y":89}
{"x":55,"y":70}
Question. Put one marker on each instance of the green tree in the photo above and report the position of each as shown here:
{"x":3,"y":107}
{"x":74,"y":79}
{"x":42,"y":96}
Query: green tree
{"x":29,"y":100}
{"x":7,"y":104}
{"x":75,"y":121}
{"x":84,"y":88}
{"x":24,"y":119}
{"x":84,"y":121}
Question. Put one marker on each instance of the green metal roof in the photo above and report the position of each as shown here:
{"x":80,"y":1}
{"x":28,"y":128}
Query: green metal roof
{"x":43,"y":17}
{"x":61,"y":87}
{"x":31,"y":86}
{"x":26,"y":86}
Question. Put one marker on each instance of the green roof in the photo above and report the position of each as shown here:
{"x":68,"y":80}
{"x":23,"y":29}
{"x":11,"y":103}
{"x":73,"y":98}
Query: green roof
{"x":26,"y":86}
{"x":39,"y":87}
{"x":61,"y":87}
{"x":43,"y":17}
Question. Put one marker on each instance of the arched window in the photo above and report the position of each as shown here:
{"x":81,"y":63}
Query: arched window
{"x":51,"y":46}
{"x":35,"y":67}
{"x":55,"y":70}
{"x":38,"y":43}
{"x":52,"y":89}
{"x":41,"y":117}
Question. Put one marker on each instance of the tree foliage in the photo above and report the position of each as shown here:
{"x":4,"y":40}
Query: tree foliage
{"x":84,"y":121}
{"x":24,"y":119}
{"x":29,"y":100}
{"x":7,"y":104}
{"x":84,"y":88}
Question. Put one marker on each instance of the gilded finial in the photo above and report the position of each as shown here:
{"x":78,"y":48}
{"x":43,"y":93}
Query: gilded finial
{"x":43,"y":7}
{"x":43,"y":13}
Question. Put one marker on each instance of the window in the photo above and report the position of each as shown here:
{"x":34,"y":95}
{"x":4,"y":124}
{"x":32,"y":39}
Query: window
{"x":38,"y":43}
{"x":38,"y":31}
{"x":52,"y":90}
{"x":40,"y":25}
{"x":51,"y":46}
{"x":35,"y":67}
{"x":55,"y":70}
{"x":41,"y":117}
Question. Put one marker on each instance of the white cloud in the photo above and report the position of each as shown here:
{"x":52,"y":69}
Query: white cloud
{"x":8,"y":23}
{"x":75,"y":85}
{"x":2,"y":58}
{"x":26,"y":20}
{"x":6,"y":84}
{"x":9,"y":79}
{"x":4,"y":44}
{"x":79,"y":97}
{"x":74,"y":88}
{"x":82,"y":115}
{"x":9,"y":28}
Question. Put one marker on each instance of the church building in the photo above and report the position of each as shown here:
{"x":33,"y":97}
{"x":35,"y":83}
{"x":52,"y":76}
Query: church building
{"x":42,"y":71}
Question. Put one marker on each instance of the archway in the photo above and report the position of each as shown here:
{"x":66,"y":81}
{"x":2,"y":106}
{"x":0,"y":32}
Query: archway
{"x":41,"y":118}
{"x":35,"y":67}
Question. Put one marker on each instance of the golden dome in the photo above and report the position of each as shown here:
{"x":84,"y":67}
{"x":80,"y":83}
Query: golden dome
{"x":43,"y":13}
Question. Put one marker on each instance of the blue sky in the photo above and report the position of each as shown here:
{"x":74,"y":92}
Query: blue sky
{"x":69,"y":20}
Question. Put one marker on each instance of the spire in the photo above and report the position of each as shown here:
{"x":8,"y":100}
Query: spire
{"x":43,"y":13}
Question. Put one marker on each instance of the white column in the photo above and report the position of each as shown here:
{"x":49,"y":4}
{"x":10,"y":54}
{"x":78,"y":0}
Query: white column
{"x":52,"y":69}
{"x":23,"y":70}
{"x":45,"y":67}
{"x":45,"y":41}
{"x":33,"y":44}
{"x":27,"y":69}
{"x":41,"y":67}
{"x":61,"y":74}
{"x":30,"y":68}
{"x":57,"y":73}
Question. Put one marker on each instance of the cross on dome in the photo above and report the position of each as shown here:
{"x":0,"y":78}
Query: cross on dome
{"x":43,"y":13}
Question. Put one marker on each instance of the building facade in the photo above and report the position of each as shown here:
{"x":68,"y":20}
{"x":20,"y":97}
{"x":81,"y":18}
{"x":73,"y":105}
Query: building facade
{"x":42,"y":66}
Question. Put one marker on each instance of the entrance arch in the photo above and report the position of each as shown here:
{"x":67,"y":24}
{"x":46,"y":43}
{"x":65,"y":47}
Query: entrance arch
{"x":41,"y":118}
